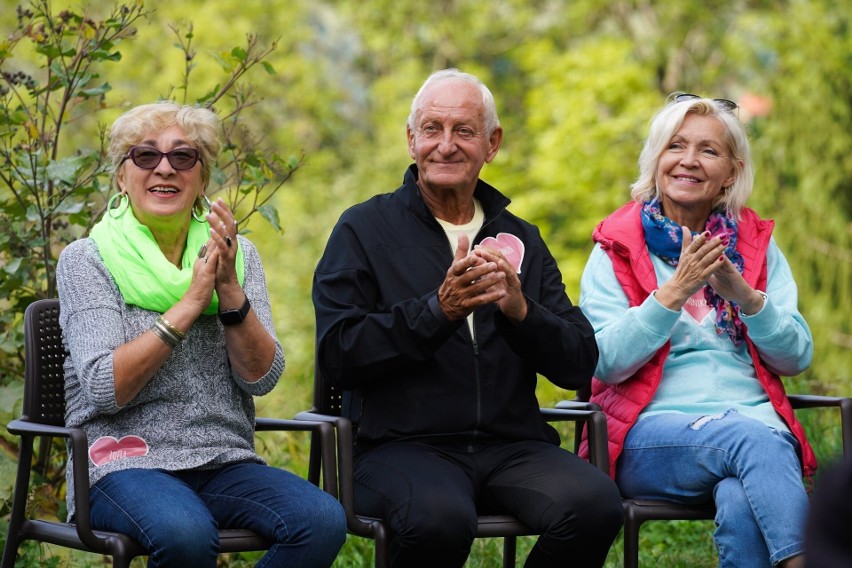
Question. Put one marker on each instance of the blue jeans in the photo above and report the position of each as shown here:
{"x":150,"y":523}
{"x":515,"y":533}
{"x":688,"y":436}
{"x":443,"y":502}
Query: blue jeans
{"x":751,"y":471}
{"x":176,"y":515}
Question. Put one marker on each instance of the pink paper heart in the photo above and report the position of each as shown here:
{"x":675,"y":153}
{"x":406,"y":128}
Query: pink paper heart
{"x":511,"y":246}
{"x":697,"y":306}
{"x":108,"y":449}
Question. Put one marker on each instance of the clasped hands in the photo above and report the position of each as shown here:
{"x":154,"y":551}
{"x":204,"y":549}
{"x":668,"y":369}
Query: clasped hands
{"x":216,"y":268}
{"x":479,"y":277}
{"x":703,"y":261}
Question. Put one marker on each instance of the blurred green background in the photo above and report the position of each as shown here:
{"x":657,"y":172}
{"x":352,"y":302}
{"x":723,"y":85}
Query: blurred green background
{"x":576,"y":83}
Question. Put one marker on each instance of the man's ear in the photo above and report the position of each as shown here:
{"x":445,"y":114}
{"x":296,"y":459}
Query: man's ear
{"x":410,"y":136}
{"x":494,"y":141}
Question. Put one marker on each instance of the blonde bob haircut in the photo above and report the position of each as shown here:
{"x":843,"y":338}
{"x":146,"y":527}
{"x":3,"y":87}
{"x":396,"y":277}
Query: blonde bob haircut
{"x":666,"y":123}
{"x":492,"y":123}
{"x":201,"y":126}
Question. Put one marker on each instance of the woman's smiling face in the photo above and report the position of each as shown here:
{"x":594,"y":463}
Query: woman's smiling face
{"x":693,"y":169}
{"x":162,"y":193}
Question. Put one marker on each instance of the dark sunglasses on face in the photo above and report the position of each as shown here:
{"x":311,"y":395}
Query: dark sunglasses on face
{"x":724,"y":103}
{"x":149,"y":158}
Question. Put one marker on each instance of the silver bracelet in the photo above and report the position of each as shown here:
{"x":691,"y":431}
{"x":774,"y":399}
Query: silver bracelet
{"x":180,"y":335}
{"x":742,"y":313}
{"x":161,"y":331}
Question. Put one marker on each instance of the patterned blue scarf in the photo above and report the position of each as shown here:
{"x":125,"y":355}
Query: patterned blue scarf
{"x":664,"y":238}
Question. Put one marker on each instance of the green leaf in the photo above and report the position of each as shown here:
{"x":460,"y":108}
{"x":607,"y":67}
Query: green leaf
{"x":96,"y":91}
{"x":69,"y":207}
{"x":270,"y":213}
{"x":65,"y":169}
{"x":11,"y":267}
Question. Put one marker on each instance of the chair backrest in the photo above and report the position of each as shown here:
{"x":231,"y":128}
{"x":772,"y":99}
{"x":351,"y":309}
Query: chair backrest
{"x":44,"y":378}
{"x":332,"y":400}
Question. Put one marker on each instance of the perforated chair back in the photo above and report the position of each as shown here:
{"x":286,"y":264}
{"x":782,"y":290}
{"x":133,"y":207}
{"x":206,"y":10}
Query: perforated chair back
{"x":44,"y":376}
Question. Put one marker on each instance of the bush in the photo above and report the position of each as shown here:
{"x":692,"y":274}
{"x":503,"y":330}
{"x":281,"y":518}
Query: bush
{"x":53,"y":191}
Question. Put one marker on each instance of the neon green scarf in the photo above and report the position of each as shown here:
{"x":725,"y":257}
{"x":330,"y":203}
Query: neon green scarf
{"x":143,"y":274}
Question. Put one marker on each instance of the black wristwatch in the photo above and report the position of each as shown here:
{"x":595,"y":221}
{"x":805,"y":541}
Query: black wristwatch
{"x":233,"y":317}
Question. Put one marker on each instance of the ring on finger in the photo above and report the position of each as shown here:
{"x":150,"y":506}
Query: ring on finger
{"x":228,"y":241}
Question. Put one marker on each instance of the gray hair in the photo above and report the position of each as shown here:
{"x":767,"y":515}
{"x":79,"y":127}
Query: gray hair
{"x":453,"y":74}
{"x":201,"y":126}
{"x":666,"y":123}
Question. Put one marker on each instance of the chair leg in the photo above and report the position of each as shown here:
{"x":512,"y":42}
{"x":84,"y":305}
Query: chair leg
{"x":121,"y":561}
{"x":9,"y":552}
{"x":509,"y":550}
{"x":382,"y":544}
{"x":631,"y":538}
{"x":19,"y":502}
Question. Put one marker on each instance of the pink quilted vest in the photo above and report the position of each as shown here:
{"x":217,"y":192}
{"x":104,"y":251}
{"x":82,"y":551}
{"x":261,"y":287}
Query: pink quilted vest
{"x":621,"y":236}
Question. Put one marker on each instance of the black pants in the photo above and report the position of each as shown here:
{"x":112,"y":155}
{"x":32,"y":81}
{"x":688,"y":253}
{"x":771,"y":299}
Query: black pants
{"x":827,"y":542}
{"x":430,"y":495}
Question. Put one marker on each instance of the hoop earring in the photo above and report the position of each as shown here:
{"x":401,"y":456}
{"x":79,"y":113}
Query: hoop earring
{"x":116,"y":210}
{"x":201,"y":208}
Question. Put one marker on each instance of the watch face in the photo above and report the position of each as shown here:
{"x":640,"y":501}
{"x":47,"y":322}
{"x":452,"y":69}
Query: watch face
{"x":231,"y":317}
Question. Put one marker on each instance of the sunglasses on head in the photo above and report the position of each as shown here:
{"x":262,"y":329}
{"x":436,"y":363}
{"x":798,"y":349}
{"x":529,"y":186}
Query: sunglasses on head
{"x":149,"y":158}
{"x":724,"y":103}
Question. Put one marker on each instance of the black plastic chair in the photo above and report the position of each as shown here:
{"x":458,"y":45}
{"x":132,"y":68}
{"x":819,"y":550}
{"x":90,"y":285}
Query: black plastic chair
{"x":637,"y":511}
{"x":328,"y":406}
{"x":44,"y":417}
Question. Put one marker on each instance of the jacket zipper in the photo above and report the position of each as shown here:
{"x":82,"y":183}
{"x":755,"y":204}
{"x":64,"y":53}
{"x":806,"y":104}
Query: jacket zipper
{"x":478,"y":386}
{"x":477,"y":377}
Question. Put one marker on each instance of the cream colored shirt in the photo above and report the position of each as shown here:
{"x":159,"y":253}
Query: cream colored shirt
{"x":471,"y":229}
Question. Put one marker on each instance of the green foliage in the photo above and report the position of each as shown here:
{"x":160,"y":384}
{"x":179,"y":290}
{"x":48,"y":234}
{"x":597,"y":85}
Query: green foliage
{"x":54,"y":183}
{"x":46,"y":194}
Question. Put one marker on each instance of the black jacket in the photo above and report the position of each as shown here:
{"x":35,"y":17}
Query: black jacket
{"x":381,"y":332}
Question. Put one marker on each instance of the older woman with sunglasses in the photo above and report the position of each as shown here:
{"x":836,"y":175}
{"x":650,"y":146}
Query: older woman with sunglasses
{"x":694,"y":310}
{"x":166,"y":317}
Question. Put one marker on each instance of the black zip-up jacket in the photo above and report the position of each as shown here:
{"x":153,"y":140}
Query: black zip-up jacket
{"x":381,"y":332}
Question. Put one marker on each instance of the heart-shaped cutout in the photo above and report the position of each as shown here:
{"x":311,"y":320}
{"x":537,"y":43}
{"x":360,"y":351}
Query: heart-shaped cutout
{"x":108,"y":449}
{"x":509,"y":245}
{"x":697,"y":306}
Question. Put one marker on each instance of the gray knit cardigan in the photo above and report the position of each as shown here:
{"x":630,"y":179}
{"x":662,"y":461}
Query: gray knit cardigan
{"x":194,"y":413}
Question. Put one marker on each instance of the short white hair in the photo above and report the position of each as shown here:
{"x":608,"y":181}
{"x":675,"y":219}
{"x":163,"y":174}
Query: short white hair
{"x":666,"y":123}
{"x":453,"y":74}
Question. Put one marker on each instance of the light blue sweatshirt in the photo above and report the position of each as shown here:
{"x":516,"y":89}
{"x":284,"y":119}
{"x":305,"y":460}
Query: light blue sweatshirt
{"x":705,"y":373}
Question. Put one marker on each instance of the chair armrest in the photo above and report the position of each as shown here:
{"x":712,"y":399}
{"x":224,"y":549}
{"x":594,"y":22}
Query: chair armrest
{"x":595,"y":422}
{"x":323,"y":434}
{"x":80,"y":472}
{"x":575,"y":404}
{"x":819,"y":401}
{"x":23,"y":427}
{"x":345,"y":476}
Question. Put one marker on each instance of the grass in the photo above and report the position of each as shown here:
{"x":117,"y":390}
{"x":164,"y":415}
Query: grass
{"x":674,"y":548}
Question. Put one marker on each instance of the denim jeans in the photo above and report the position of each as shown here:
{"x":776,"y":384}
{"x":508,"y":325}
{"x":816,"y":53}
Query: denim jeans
{"x":751,"y":471}
{"x":175,"y":515}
